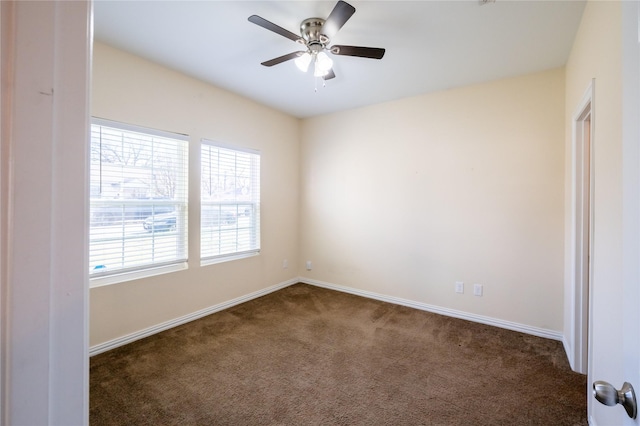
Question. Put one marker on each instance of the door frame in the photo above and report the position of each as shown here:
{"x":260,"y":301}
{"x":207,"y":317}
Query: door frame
{"x":582,"y":219}
{"x":45,"y":52}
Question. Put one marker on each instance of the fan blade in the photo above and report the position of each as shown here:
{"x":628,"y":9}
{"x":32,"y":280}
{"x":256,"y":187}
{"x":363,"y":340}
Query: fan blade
{"x":330,"y":75}
{"x":273,"y":27}
{"x":362,"y":52}
{"x":280,"y":59}
{"x":337,"y":18}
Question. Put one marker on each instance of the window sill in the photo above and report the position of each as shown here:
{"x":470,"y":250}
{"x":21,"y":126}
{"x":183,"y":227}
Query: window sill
{"x":136,"y":275}
{"x":229,"y":258}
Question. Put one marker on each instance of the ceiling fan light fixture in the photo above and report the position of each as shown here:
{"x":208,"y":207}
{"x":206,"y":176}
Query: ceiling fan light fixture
{"x":303,"y":61}
{"x":318,"y":72}
{"x":323,"y":62}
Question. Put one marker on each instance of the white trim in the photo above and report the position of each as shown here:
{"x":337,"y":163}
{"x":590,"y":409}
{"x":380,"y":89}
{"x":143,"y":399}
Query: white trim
{"x":232,"y":147}
{"x":141,"y":334}
{"x":567,"y":348}
{"x":229,"y":257}
{"x":136,"y":274}
{"x":509,"y":325}
{"x":118,"y":125}
{"x":576,"y":344}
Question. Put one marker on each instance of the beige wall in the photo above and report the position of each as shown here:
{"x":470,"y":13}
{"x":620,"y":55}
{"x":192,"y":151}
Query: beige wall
{"x":597,"y":54}
{"x":400,"y":199}
{"x":129,"y":89}
{"x":405,"y":198}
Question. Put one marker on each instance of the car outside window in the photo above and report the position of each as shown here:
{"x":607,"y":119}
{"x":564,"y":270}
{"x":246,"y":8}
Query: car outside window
{"x":138,"y":198}
{"x":230,"y":202}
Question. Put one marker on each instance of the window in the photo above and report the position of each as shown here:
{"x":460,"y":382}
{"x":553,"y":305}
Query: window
{"x":138,"y":199}
{"x":230,"y":200}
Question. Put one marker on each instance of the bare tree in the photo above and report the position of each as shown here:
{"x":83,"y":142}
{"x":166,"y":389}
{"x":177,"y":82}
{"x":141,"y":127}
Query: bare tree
{"x":136,"y":156}
{"x":164,"y":177}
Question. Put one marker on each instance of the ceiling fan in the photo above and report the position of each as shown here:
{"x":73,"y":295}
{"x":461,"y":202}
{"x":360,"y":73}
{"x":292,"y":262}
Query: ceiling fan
{"x":315,"y":35}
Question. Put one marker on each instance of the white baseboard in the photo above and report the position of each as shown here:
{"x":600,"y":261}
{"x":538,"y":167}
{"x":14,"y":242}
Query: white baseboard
{"x":568,"y":350}
{"x":535,"y":331}
{"x":129,"y":338}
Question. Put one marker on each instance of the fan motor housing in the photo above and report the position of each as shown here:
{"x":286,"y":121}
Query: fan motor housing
{"x":310,"y":29}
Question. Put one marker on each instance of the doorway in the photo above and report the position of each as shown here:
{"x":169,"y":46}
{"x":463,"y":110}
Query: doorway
{"x":582,"y":229}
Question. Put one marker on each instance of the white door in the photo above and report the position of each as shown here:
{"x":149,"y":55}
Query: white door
{"x":615,"y":328}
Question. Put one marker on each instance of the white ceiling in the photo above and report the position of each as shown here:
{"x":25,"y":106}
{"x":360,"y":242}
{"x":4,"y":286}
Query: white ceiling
{"x":430,"y":45}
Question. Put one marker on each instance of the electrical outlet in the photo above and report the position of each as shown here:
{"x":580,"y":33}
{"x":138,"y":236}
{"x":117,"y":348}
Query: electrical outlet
{"x":477,"y":289}
{"x":459,"y":287}
{"x":308,"y":265}
{"x":285,"y":264}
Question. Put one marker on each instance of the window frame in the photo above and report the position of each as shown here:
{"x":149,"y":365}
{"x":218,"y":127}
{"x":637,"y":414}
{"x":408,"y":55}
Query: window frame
{"x":255,"y":215}
{"x":149,"y":269}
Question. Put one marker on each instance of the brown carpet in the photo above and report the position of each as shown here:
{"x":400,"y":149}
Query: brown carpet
{"x":311,"y":356}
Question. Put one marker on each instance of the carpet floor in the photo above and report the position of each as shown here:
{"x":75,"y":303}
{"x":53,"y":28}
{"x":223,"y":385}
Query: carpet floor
{"x":310,"y":356}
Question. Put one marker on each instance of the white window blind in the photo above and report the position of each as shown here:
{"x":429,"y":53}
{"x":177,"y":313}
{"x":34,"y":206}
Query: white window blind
{"x":230,"y":201}
{"x":138,"y":200}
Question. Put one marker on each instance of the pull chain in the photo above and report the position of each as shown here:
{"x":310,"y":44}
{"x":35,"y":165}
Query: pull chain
{"x":315,"y":83}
